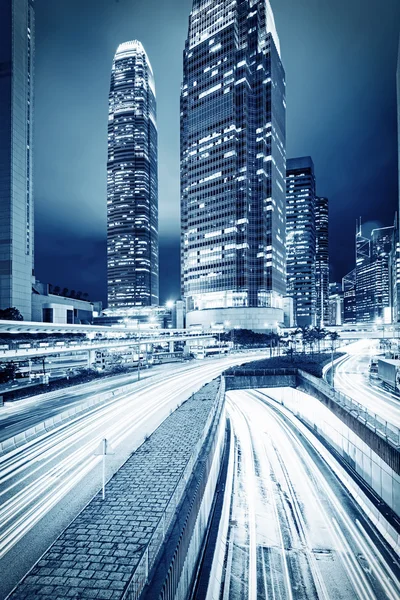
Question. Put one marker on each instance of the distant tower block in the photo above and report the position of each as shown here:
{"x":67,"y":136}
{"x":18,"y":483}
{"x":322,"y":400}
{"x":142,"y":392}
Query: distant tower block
{"x":132,"y":182}
{"x":17,"y":51}
{"x":233,"y":256}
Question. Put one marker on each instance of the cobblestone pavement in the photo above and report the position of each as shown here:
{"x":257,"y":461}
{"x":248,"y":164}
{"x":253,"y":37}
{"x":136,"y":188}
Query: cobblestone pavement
{"x":96,"y":555}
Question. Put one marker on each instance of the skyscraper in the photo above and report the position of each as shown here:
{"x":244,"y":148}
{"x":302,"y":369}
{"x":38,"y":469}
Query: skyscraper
{"x":322,"y":259}
{"x":368,"y":295}
{"x":233,"y":165}
{"x":349,"y":297}
{"x":398,"y":122}
{"x":365,"y":273}
{"x":301,"y":238}
{"x":17,"y":49}
{"x":382,"y":246}
{"x":132,"y":182}
{"x":395,"y":259}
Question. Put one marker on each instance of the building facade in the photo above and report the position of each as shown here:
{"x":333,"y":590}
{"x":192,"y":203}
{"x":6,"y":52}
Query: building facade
{"x":398,"y":124}
{"x":383,"y":244}
{"x":349,"y":298}
{"x":370,"y":289}
{"x":395,"y":263}
{"x":17,"y":51}
{"x":365,"y":273}
{"x":301,"y":238}
{"x":335,"y":305}
{"x":54,"y":308}
{"x":233,"y":162}
{"x":322,"y":260}
{"x":132,"y":182}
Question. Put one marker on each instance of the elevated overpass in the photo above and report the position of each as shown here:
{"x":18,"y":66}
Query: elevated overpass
{"x":360,"y":332}
{"x":93,"y":337}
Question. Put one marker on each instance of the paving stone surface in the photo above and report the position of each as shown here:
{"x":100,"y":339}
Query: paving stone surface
{"x":96,"y":555}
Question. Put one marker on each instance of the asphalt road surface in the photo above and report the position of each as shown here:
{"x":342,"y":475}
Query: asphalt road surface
{"x":295,"y":532}
{"x":46,"y":482}
{"x":352,"y":378}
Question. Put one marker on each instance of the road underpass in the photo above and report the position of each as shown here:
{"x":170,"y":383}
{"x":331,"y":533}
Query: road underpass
{"x":294,"y":529}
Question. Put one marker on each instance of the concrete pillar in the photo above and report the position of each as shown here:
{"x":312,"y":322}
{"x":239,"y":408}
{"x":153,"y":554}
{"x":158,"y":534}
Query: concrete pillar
{"x":172,"y":346}
{"x":91,"y":358}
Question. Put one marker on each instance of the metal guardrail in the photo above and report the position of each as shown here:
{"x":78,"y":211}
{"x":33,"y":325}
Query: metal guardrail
{"x":373,"y":421}
{"x":141,"y":573}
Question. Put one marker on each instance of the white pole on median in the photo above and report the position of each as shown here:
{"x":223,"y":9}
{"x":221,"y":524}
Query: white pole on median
{"x":103,"y":449}
{"x":138,"y":365}
{"x":104,"y":467}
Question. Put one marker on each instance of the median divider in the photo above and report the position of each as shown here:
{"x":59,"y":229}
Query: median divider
{"x":60,"y":419}
{"x":144,"y":539}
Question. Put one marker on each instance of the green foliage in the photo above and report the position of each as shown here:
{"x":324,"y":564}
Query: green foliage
{"x":10,"y":314}
{"x":7,"y":372}
{"x":305,"y":362}
{"x":247,"y":337}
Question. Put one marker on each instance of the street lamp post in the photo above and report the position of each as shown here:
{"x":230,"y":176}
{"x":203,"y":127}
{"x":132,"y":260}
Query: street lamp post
{"x":138,"y":364}
{"x":45,"y":381}
{"x":227,"y":324}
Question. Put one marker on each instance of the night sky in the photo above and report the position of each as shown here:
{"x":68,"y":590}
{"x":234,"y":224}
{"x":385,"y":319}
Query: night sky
{"x":340,"y":61}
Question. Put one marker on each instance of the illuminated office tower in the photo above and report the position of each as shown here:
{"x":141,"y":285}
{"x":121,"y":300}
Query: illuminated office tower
{"x":301,"y":238}
{"x":395,"y":259}
{"x":382,"y":247}
{"x":233,"y":256}
{"x":365,"y":277}
{"x":16,"y":165}
{"x":322,"y":260}
{"x":132,"y":188}
{"x":398,"y":122}
{"x":349,"y":298}
{"x":373,"y":283}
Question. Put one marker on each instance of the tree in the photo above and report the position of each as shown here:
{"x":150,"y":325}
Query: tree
{"x":7,"y":372}
{"x":334,"y":336}
{"x":303,"y":333}
{"x":11,"y":314}
{"x":320,"y":334}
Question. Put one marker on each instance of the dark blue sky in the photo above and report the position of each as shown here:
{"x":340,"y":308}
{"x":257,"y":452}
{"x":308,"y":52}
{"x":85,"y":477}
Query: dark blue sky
{"x":340,"y":61}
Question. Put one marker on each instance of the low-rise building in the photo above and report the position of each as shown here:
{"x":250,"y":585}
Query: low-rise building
{"x":48,"y":307}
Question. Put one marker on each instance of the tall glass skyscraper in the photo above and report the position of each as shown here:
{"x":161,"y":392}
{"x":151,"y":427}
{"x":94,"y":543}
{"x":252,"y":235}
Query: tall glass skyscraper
{"x":232,"y":160}
{"x":398,"y":123}
{"x":373,"y":294}
{"x":301,"y":238}
{"x":132,"y":182}
{"x":16,"y":144}
{"x":322,"y":259}
{"x":395,"y":260}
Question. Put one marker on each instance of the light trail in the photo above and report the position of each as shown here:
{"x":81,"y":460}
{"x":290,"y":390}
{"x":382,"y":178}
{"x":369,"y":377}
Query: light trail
{"x":352,"y":378}
{"x":36,"y":476}
{"x":311,"y":540}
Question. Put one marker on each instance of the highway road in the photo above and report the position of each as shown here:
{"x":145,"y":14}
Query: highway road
{"x":45,"y":483}
{"x":19,"y":415}
{"x":352,"y":378}
{"x":295,"y":533}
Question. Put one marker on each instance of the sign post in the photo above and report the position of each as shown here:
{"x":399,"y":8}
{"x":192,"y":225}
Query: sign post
{"x":104,"y":449}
